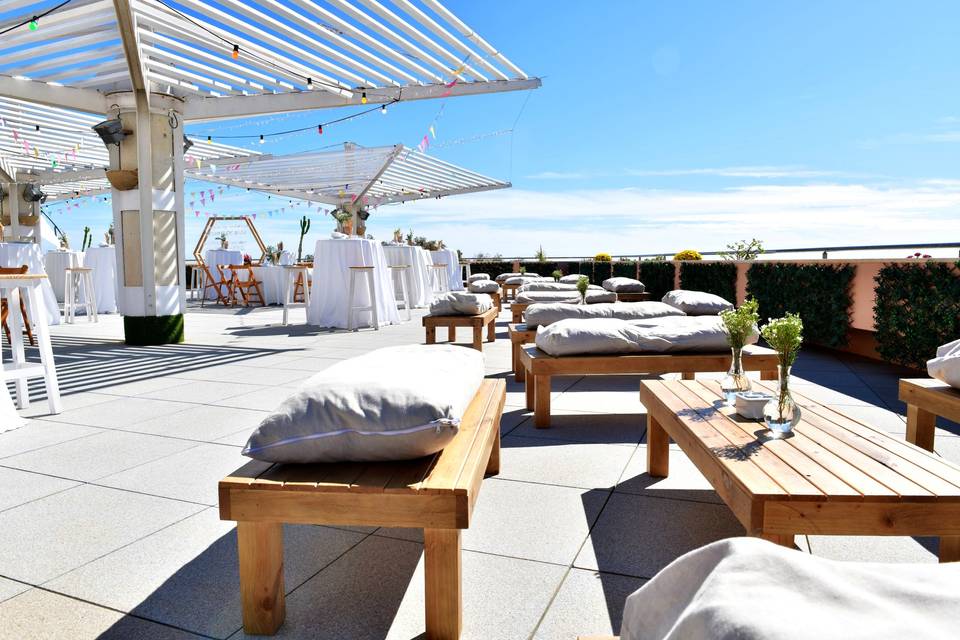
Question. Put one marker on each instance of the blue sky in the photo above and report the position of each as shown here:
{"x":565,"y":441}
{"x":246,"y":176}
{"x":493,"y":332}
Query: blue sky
{"x":663,"y":125}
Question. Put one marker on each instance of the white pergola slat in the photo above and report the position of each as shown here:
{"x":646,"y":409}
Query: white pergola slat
{"x":293,"y":54}
{"x":366,"y":176}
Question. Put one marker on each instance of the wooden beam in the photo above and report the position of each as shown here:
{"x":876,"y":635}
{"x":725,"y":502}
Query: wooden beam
{"x":126,"y":25}
{"x":52,"y":95}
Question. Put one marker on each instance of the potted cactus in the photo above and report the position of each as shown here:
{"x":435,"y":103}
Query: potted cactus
{"x":304,"y":230}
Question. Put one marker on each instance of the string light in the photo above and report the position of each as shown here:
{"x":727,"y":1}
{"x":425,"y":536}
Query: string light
{"x":261,"y":138}
{"x":383,"y":109}
{"x":34,"y":23}
{"x":320,"y":129}
{"x":236,"y":51}
{"x":363,"y":98}
{"x":210,"y":139}
{"x":310,"y":84}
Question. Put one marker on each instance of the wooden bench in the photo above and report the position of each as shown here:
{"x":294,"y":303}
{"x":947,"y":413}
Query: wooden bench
{"x":477,"y":322}
{"x":541,"y":367}
{"x":633,"y":297}
{"x":516,"y":311}
{"x":509,"y":290}
{"x":926,"y":399}
{"x":519,"y":335}
{"x":436,"y":493}
{"x":835,"y":475}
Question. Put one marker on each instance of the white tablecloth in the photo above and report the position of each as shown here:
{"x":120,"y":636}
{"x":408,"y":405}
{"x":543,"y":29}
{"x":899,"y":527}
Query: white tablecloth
{"x":418,"y":283}
{"x":103,"y":261}
{"x":271,"y":281}
{"x":56,"y":262}
{"x":15,"y":254}
{"x":213,"y":257}
{"x":449,"y":258}
{"x":332,"y":260}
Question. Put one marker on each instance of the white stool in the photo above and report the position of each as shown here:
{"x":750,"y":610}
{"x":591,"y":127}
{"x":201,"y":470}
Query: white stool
{"x":404,"y":271}
{"x":75,"y":279}
{"x":371,"y":287}
{"x":291,"y":274}
{"x":440,"y":279}
{"x":465,"y":271}
{"x":19,"y":369}
{"x":198,"y":282}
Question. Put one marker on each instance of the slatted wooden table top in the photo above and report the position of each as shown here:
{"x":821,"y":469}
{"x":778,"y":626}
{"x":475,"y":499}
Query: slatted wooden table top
{"x":23,"y":276}
{"x":831,"y":457}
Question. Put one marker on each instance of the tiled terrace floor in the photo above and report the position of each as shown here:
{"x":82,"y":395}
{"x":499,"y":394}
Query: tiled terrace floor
{"x":109,"y":526}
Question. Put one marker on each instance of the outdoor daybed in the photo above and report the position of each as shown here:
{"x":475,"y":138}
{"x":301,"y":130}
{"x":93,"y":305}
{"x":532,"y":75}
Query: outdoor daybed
{"x":939,"y":395}
{"x":524,"y":299}
{"x":458,"y":309}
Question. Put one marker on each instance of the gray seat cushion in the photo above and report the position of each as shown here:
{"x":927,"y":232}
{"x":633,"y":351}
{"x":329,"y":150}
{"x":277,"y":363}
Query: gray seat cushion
{"x":460,"y":303}
{"x":478,"y":276}
{"x":624,"y":285}
{"x":545,"y":314}
{"x":594,"y":296}
{"x":550,"y":285}
{"x":573,"y":278}
{"x":483,"y":286}
{"x":525,"y":278}
{"x":396,"y":403}
{"x":697,"y":303}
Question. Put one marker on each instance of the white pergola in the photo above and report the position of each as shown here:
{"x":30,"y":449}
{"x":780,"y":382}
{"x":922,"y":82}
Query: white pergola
{"x":352,"y":176}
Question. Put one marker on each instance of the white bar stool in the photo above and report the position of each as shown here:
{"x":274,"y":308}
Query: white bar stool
{"x":19,"y":369}
{"x":404,"y":272}
{"x":371,"y":287}
{"x":465,"y":271}
{"x":198,"y":282}
{"x":441,"y":278}
{"x":292,"y":273}
{"x":76,"y":278}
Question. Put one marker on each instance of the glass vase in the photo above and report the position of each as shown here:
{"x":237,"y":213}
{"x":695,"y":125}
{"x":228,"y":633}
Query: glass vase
{"x":781,"y":414}
{"x":736,"y":379}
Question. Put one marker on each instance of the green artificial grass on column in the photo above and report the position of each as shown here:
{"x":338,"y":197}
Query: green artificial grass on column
{"x":153,"y":330}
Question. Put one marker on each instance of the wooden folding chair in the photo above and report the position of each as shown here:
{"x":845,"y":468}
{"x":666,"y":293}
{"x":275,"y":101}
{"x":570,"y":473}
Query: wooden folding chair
{"x":249,"y":289}
{"x":211,"y":282}
{"x":299,"y":284}
{"x":4,"y":311}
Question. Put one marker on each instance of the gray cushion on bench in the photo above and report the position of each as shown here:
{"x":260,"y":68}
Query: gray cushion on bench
{"x":478,"y":276}
{"x":459,"y":303}
{"x":549,"y":285}
{"x":624,"y":285}
{"x":572,"y":278}
{"x":749,"y":589}
{"x":697,"y":303}
{"x":396,"y":403}
{"x":525,"y":278}
{"x":594,"y":296}
{"x":607,"y":336}
{"x":483,"y":286}
{"x":545,"y":314}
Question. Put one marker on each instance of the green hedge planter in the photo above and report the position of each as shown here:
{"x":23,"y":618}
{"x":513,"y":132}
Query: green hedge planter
{"x":658,"y":276}
{"x":718,"y":278}
{"x":917,"y":310}
{"x":820,"y":294}
{"x":493,"y":267}
{"x":153,"y":330}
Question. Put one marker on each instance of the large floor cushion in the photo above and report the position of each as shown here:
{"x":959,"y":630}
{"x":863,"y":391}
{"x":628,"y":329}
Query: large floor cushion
{"x":697,"y":303}
{"x":478,"y":276}
{"x":594,"y":296}
{"x":547,"y":313}
{"x":459,"y":303}
{"x":946,"y":366}
{"x":550,"y":285}
{"x":483,"y":286}
{"x":525,"y":278}
{"x":396,"y":403}
{"x":624,"y":285}
{"x":573,"y":278}
{"x":750,"y":589}
{"x":605,"y":336}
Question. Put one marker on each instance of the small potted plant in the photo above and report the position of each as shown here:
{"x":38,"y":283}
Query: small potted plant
{"x":397,"y":236}
{"x":344,"y":221}
{"x":582,"y":285}
{"x":784,"y":335}
{"x":557,"y":274}
{"x":740,"y":324}
{"x":247,"y":260}
{"x":224,"y":243}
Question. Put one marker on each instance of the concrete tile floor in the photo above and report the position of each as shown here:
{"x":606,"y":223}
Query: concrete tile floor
{"x":109,"y":527}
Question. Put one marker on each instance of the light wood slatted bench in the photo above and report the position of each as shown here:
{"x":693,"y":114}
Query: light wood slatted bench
{"x":926,"y":399}
{"x":633,"y":297}
{"x":519,"y":335}
{"x":436,"y":493}
{"x":477,"y":322}
{"x":540,"y":367}
{"x":835,"y":475}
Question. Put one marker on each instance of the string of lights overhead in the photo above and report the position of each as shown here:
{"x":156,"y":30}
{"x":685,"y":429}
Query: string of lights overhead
{"x":33,"y":22}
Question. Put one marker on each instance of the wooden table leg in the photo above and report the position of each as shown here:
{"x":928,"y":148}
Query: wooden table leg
{"x":477,"y":336}
{"x":688,"y":375}
{"x":782,"y":539}
{"x":769,"y":374}
{"x":949,"y":549}
{"x":541,"y":409}
{"x":658,"y":449}
{"x":531,"y":389}
{"x":519,"y":372}
{"x":451,"y":334}
{"x":921,"y":425}
{"x":260,"y":547}
{"x":431,"y":334}
{"x":442,"y":576}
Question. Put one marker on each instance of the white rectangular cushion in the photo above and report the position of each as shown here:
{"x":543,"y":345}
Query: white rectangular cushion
{"x":606,"y":336}
{"x":459,"y":303}
{"x":478,"y":276}
{"x":697,"y":303}
{"x":750,"y":589}
{"x":550,"y":285}
{"x":624,"y":285}
{"x":483,"y":286}
{"x":503,"y":276}
{"x":545,"y":314}
{"x":946,"y":366}
{"x":594,"y":296}
{"x":525,"y":278}
{"x":573,"y":278}
{"x":396,"y":403}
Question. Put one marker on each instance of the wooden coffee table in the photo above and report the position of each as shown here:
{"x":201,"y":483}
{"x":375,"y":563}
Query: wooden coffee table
{"x":834,"y":476}
{"x":926,"y":399}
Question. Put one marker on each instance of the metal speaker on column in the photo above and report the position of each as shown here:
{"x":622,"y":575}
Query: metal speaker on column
{"x":32,"y":193}
{"x":110,"y":131}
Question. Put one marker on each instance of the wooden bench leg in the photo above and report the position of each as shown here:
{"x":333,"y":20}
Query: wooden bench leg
{"x":921,"y":425}
{"x":531,"y":389}
{"x":950,"y":549}
{"x":782,"y":539}
{"x":493,"y":464}
{"x":658,"y":449}
{"x":451,"y":334}
{"x":769,"y":374}
{"x":431,"y":334}
{"x":541,"y":409}
{"x":442,"y":574}
{"x":515,"y":361}
{"x":478,"y":337}
{"x":688,"y":375}
{"x":491,"y":330}
{"x":260,"y":548}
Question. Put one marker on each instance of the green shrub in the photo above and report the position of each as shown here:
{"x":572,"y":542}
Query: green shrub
{"x":658,"y":276}
{"x":917,"y":310}
{"x":819,"y":293}
{"x":625,"y":269}
{"x":719,"y":278}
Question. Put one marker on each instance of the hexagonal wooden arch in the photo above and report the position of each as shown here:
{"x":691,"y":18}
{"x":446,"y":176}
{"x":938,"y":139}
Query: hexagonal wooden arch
{"x":211,"y":222}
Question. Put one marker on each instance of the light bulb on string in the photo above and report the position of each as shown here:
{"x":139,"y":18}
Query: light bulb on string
{"x":320,"y":129}
{"x":261,"y":138}
{"x":210,"y":139}
{"x":363,"y":98}
{"x":310,"y":84}
{"x":236,"y":51}
{"x":34,"y":23}
{"x":383,"y":109}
